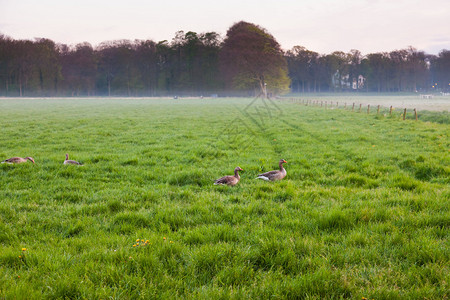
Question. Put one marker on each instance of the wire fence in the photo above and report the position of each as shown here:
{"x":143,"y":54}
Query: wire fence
{"x":358,"y":107}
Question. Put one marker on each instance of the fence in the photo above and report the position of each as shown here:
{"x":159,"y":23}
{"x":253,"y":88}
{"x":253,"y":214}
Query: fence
{"x":331,"y":104}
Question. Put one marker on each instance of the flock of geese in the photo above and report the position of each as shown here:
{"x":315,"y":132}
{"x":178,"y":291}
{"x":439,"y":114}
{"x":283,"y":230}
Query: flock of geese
{"x":268,"y":176}
{"x":19,"y":160}
{"x":225,"y":180}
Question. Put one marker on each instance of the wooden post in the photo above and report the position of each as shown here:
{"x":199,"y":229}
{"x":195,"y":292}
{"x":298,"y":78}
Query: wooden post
{"x":415,"y":113}
{"x":360,"y":105}
{"x":404,"y":114}
{"x":390,"y":111}
{"x":345,"y":105}
{"x":378,"y":110}
{"x":353,"y":107}
{"x":368,"y":109}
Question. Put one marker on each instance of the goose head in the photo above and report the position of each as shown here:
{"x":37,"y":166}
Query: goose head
{"x":236,"y":172}
{"x":30,"y":159}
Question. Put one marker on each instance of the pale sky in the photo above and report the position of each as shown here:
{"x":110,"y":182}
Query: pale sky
{"x":323,"y":26}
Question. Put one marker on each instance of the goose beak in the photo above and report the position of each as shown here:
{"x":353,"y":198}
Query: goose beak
{"x":284,"y":161}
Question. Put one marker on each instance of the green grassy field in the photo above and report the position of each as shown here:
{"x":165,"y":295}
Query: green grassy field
{"x":363,"y":211}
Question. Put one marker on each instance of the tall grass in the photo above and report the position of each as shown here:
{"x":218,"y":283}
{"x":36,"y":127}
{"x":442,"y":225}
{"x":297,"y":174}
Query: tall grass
{"x":363,"y":211}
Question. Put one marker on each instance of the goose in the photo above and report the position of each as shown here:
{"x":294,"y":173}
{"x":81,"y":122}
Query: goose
{"x":230,"y":179}
{"x":71,"y":162}
{"x":18,"y":160}
{"x":276,"y":174}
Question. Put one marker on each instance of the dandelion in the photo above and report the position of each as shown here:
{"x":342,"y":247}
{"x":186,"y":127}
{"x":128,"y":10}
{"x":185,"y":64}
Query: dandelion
{"x":134,"y":245}
{"x":171,"y":242}
{"x":24,"y":249}
{"x":164,"y":238}
{"x":20,"y":256}
{"x":146,"y":241}
{"x":137,"y":240}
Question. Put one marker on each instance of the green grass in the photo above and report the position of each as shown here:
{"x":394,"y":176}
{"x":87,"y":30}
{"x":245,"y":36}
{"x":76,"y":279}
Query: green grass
{"x":363,"y":212}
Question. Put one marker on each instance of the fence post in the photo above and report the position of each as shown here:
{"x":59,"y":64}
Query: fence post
{"x":345,"y":105}
{"x":360,"y":105}
{"x":415,"y":113}
{"x":368,"y":109}
{"x":390,"y":111}
{"x":404,"y":114}
{"x":353,"y":107}
{"x":378,"y":110}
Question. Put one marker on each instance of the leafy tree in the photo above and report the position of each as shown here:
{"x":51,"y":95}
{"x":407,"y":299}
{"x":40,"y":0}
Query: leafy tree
{"x":79,"y":69}
{"x":338,"y":69}
{"x":6,"y":63}
{"x":416,"y":69}
{"x":48,"y":66}
{"x":146,"y":63}
{"x":116,"y":66}
{"x":164,"y":63}
{"x":398,"y":59}
{"x":354,"y":69}
{"x":377,"y":64}
{"x":252,"y":58}
{"x":440,"y":68}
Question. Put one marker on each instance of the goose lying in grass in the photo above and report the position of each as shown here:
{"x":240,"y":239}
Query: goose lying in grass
{"x":18,"y":160}
{"x":276,"y":174}
{"x":71,"y":162}
{"x":230,"y":179}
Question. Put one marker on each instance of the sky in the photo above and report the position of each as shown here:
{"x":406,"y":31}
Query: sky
{"x":323,"y":26}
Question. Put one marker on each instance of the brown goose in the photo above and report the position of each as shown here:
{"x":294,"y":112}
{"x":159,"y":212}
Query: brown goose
{"x":18,"y":160}
{"x":71,"y":162}
{"x":230,"y":179}
{"x":274,"y":175}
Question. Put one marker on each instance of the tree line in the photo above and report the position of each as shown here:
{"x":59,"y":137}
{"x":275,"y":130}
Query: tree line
{"x":247,"y":61}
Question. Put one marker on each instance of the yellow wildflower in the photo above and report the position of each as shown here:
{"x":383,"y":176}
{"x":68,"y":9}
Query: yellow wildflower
{"x":24,"y":249}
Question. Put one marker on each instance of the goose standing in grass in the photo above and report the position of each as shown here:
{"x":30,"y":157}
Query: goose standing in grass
{"x":18,"y":160}
{"x":230,"y":179}
{"x":276,"y":174}
{"x":71,"y":162}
